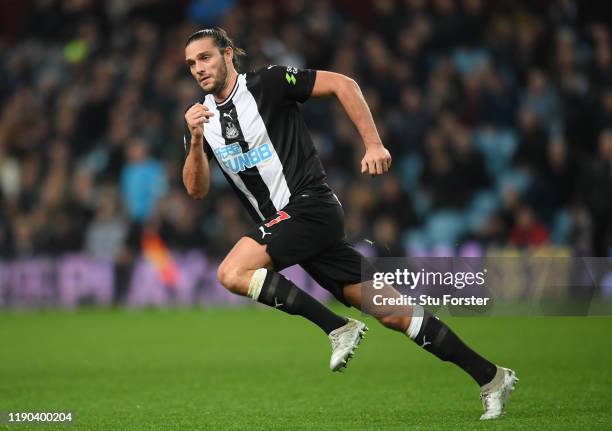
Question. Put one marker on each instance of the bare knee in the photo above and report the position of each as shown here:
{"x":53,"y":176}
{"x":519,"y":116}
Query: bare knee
{"x":233,"y":278}
{"x":397,"y":323}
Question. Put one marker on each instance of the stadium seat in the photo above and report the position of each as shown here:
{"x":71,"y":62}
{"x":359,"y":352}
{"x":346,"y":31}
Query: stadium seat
{"x":561,"y":227}
{"x":445,"y":227}
{"x":411,"y":167}
{"x":497,"y":147}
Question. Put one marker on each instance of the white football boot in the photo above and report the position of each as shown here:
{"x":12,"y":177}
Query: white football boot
{"x":494,"y":395}
{"x":344,"y":341}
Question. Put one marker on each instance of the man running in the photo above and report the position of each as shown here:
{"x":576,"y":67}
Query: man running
{"x":251,"y":124}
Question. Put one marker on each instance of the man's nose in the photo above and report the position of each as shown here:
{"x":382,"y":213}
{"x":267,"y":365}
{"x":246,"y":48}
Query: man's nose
{"x":200,"y":67}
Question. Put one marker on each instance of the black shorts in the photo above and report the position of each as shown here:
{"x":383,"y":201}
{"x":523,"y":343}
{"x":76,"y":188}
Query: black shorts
{"x":309,"y":231}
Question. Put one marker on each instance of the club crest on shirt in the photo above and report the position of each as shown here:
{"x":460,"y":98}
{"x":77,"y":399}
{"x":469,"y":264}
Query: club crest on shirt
{"x":231,"y":131}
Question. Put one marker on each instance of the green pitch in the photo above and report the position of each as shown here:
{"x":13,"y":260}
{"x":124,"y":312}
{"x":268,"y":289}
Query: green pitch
{"x":253,"y":369}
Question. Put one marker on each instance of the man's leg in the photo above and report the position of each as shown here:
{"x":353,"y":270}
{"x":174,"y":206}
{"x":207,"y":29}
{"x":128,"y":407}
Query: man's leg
{"x":427,"y":331}
{"x":248,"y":271}
{"x":433,"y":335}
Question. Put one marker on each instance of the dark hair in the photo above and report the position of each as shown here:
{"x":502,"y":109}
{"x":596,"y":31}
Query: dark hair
{"x":222,"y":41}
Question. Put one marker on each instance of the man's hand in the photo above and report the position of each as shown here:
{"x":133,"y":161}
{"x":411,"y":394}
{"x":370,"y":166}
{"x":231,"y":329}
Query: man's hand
{"x":195,"y":117}
{"x":376,"y":161}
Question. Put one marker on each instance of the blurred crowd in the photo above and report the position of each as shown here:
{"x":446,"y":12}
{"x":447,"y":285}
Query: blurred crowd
{"x":498,"y":116}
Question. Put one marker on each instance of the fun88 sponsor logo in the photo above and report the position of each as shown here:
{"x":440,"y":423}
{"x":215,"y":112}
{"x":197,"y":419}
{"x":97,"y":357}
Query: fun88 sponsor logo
{"x":236,"y":161}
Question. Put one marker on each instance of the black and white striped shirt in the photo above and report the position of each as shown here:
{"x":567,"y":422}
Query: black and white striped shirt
{"x":261,"y":142}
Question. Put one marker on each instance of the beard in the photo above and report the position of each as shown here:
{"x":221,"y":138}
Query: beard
{"x":219,"y":81}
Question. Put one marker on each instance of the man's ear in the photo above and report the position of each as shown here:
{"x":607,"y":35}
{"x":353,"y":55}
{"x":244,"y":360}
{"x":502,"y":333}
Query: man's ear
{"x":229,"y":55}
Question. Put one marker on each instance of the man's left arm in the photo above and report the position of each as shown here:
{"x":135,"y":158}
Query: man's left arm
{"x":377,"y":159}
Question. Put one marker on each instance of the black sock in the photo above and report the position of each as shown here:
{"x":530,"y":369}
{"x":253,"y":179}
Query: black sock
{"x":278,"y":292}
{"x":437,"y":338}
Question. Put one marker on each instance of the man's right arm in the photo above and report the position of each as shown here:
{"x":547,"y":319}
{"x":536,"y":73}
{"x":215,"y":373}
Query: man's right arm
{"x":196,"y":173}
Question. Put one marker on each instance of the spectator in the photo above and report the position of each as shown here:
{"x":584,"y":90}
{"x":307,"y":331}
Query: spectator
{"x":107,"y":231}
{"x":438,"y":171}
{"x":597,"y":189}
{"x":143,"y":181}
{"x":469,"y":170}
{"x":533,"y":141}
{"x":541,"y":99}
{"x":528,"y":231}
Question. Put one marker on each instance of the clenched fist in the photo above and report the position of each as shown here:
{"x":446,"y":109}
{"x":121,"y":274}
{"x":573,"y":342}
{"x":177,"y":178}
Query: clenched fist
{"x":195,"y":117}
{"x":376,"y":161}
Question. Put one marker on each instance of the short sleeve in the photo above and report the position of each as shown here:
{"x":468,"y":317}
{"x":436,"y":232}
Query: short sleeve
{"x":294,"y":84}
